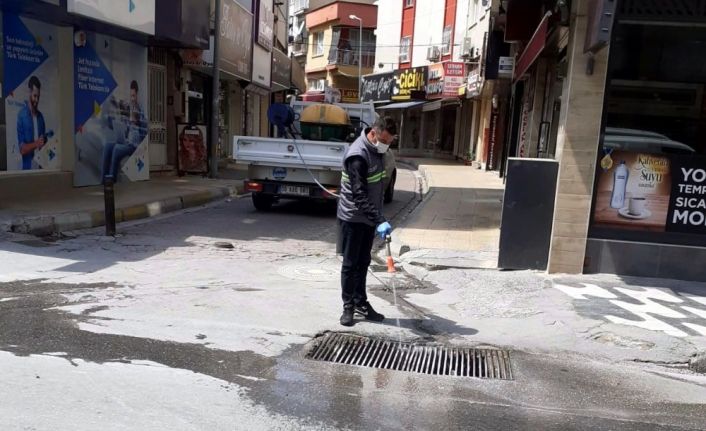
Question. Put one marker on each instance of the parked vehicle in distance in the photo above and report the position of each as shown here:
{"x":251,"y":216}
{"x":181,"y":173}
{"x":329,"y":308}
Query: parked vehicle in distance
{"x":308,"y":165}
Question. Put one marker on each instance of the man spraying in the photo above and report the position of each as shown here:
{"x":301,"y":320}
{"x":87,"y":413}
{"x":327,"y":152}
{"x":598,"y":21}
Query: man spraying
{"x":360,"y":215}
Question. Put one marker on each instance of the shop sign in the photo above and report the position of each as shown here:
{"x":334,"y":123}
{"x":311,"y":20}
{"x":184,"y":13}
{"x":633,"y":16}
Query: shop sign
{"x":435,"y":86}
{"x":445,"y":79}
{"x":235,"y":40}
{"x":506,"y":67}
{"x":184,"y":21}
{"x":454,"y":73}
{"x":378,"y":88}
{"x":349,"y":95}
{"x":410,"y":83}
{"x":474,"y":84}
{"x":261,"y":67}
{"x":201,"y":59}
{"x":332,"y":95}
{"x":281,"y":70}
{"x":137,"y":15}
{"x":265,"y":24}
{"x":651,"y":192}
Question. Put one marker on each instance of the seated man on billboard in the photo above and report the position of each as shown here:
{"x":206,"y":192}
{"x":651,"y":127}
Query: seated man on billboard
{"x":129,"y":130}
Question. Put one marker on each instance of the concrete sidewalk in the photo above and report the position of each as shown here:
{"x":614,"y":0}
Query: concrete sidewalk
{"x":67,"y":209}
{"x":458,"y":223}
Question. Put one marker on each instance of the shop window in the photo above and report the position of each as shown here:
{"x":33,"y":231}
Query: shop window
{"x":446,"y":41}
{"x":651,"y":176}
{"x":318,"y":46}
{"x":404,"y":49}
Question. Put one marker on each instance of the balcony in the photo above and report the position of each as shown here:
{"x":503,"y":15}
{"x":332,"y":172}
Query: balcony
{"x":297,"y":7}
{"x":299,"y":49}
{"x":349,"y":57}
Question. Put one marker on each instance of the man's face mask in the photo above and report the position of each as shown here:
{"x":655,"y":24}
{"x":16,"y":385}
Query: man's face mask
{"x":382,"y":141}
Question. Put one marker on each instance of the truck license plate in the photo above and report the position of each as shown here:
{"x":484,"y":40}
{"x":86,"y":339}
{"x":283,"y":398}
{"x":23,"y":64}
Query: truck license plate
{"x":294,"y":190}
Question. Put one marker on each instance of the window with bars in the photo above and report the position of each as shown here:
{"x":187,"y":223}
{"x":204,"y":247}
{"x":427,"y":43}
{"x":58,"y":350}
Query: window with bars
{"x":405,"y":44}
{"x":446,"y":41}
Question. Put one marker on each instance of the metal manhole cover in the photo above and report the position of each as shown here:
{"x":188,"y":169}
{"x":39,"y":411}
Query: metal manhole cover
{"x":419,"y":358}
{"x":323,"y":273}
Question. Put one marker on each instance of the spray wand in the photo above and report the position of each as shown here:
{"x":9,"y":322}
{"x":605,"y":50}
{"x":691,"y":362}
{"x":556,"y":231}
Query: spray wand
{"x":390,"y":261}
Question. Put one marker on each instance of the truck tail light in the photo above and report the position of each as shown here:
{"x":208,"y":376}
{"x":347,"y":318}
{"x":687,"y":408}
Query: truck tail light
{"x":251,"y":186}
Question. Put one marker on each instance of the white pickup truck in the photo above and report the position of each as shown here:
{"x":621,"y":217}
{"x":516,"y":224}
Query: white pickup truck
{"x":276,"y":169}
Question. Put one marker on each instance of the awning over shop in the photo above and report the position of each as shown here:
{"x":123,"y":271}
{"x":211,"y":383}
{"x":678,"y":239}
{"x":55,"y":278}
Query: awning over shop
{"x":402,"y":105}
{"x":534,"y":48}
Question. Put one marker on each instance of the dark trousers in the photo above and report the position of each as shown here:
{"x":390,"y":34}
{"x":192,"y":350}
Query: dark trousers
{"x":356,"y":244}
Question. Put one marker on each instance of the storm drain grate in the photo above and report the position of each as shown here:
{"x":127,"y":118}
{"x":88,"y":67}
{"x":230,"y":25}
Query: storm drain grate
{"x":412,"y":357}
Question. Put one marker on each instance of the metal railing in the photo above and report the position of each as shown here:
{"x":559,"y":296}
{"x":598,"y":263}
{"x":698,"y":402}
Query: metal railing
{"x":296,"y":6}
{"x":349,"y":57}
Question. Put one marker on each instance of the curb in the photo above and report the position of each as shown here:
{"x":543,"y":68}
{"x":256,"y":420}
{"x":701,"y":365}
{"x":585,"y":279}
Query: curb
{"x":397,"y":247}
{"x":698,"y":363}
{"x":47,"y":225}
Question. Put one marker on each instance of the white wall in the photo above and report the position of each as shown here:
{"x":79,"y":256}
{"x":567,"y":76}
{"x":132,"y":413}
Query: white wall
{"x":479,"y":24}
{"x":462,"y":7}
{"x":388,"y":33}
{"x":428,"y":29}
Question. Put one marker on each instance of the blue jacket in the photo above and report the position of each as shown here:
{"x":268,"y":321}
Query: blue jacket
{"x":25,"y":133}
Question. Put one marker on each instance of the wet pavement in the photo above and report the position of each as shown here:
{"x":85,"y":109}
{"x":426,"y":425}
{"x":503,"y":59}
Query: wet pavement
{"x":162,"y":328}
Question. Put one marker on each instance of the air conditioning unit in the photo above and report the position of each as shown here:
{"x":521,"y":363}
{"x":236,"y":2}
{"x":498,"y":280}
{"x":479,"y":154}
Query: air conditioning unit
{"x":433,"y":53}
{"x":469,"y":52}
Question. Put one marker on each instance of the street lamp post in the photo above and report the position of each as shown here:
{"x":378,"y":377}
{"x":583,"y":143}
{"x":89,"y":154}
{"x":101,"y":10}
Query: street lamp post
{"x":360,"y":55}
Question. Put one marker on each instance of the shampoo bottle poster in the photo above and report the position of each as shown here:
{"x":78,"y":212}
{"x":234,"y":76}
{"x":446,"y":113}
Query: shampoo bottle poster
{"x":30,"y":89}
{"x":110,"y":109}
{"x":633,"y":192}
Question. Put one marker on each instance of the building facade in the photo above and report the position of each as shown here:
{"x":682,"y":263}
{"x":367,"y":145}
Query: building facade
{"x":338,"y":52}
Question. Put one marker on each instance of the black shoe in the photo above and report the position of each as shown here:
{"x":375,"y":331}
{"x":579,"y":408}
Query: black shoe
{"x":347,"y":317}
{"x":367,"y":311}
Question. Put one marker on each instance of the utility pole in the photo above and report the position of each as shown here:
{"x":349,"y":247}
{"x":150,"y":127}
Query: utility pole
{"x":360,"y":55}
{"x":216,"y":98}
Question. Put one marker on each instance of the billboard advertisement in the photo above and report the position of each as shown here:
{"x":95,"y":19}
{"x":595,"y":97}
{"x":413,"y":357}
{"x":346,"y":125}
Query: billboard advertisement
{"x":110,"y":109}
{"x":137,"y":15}
{"x":31,"y":92}
{"x":651,"y":192}
{"x":235,"y":40}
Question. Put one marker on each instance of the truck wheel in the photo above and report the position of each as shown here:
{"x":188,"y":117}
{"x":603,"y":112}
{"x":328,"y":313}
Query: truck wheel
{"x":390,"y":192}
{"x":262,"y":202}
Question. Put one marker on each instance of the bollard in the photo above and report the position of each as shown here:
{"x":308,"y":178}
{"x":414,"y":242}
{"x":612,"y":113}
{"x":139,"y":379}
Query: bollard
{"x":109,"y":195}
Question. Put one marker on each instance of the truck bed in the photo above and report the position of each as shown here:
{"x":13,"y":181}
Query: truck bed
{"x":282,"y":152}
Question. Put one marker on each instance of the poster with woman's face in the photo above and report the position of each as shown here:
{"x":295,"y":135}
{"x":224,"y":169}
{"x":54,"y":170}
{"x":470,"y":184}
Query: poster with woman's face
{"x":193,"y":155}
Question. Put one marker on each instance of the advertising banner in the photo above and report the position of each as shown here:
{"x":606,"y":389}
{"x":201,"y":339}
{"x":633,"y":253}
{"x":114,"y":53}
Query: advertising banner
{"x":410,"y":84}
{"x":235,"y":40}
{"x":31,"y":92}
{"x":110,"y":109}
{"x":349,"y":95}
{"x":281,"y":71}
{"x":649,"y":192}
{"x":378,"y":87}
{"x":265,"y":24}
{"x":193,"y":153}
{"x":184,"y":21}
{"x":137,"y":15}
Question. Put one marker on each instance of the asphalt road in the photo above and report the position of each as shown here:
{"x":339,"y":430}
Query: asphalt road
{"x":202,"y":320}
